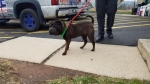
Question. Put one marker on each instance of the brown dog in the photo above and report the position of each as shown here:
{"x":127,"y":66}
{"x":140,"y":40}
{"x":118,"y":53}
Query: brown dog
{"x":83,"y":29}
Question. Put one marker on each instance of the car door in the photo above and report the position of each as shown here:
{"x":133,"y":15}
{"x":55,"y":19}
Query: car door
{"x":7,"y":8}
{"x":2,"y":9}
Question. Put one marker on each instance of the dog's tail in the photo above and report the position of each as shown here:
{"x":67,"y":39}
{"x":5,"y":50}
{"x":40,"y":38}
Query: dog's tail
{"x":91,"y":18}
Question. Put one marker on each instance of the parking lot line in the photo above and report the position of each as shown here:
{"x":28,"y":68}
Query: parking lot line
{"x":118,"y":22}
{"x":18,"y":32}
{"x":132,"y":26}
{"x":129,"y":26}
{"x":126,"y":22}
{"x":6,"y":37}
{"x":12,"y":29}
{"x":38,"y":32}
{"x":123,"y":20}
{"x":1,"y":32}
{"x":130,"y":21}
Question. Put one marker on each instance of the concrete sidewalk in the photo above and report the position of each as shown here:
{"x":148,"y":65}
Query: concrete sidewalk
{"x":29,"y":48}
{"x":107,"y":60}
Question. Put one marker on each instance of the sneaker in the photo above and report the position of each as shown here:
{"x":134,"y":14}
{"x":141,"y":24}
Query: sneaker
{"x":99,"y":38}
{"x":110,"y":36}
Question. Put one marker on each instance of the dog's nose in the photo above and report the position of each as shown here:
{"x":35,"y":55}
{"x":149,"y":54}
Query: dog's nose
{"x":49,"y":29}
{"x":50,"y":32}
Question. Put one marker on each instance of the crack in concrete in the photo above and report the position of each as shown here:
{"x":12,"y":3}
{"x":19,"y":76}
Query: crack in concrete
{"x":51,"y":55}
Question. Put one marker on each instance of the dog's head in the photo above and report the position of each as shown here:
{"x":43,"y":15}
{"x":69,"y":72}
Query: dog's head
{"x":56,"y":27}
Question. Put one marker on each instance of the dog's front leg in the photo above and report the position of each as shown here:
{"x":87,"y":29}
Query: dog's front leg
{"x":67,"y":46}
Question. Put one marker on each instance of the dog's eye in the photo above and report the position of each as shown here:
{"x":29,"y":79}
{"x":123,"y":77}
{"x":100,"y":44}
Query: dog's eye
{"x":50,"y":24}
{"x":54,"y":26}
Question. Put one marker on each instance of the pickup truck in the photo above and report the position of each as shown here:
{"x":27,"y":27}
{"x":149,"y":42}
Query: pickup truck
{"x":35,"y":13}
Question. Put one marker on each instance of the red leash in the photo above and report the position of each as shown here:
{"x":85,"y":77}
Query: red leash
{"x":74,"y":18}
{"x":78,"y":13}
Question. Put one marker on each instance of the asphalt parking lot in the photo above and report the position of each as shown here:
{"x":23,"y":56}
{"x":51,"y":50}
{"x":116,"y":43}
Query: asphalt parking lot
{"x":127,"y":30}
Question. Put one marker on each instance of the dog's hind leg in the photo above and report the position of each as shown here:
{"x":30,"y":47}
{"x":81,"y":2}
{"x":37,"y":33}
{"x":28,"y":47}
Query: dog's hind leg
{"x":85,"y":41}
{"x":67,"y":46}
{"x":91,"y":38}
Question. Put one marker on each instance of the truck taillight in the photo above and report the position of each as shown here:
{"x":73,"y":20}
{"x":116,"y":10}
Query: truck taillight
{"x":54,"y":2}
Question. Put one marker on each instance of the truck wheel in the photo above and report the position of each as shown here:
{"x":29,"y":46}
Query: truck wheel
{"x":29,"y":20}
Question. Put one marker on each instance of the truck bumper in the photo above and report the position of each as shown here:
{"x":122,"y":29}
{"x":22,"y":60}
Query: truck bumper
{"x":66,"y":13}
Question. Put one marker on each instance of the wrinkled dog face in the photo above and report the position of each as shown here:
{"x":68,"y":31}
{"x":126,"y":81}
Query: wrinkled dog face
{"x":56,"y":27}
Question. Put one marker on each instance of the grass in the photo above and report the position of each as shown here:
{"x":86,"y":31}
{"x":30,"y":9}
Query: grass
{"x":5,"y":76}
{"x":92,"y":10}
{"x":4,"y":65}
{"x":96,"y":80}
{"x":123,"y":11}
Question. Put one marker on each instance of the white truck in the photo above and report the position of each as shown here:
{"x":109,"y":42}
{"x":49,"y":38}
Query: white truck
{"x":35,"y":13}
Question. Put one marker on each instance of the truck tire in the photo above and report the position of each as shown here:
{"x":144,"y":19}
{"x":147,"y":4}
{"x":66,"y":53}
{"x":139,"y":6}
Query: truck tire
{"x":29,"y":20}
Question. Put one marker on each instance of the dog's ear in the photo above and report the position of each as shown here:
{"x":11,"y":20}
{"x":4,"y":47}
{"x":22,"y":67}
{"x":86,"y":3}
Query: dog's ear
{"x":58,"y":22}
{"x":50,"y":24}
{"x":63,"y":24}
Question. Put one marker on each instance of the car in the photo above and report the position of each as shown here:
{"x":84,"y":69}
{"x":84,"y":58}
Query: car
{"x":35,"y":13}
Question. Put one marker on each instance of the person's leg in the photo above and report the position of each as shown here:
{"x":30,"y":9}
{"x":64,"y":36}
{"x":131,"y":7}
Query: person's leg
{"x":111,"y":11}
{"x":100,"y":10}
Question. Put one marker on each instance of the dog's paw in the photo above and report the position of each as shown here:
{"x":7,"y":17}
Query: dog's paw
{"x":93,"y":50}
{"x":64,"y":54}
{"x":81,"y":47}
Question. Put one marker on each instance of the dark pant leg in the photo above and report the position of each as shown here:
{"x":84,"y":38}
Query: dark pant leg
{"x":101,"y":9}
{"x":111,"y":11}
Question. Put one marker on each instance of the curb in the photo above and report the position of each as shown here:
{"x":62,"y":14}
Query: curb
{"x":144,"y":48}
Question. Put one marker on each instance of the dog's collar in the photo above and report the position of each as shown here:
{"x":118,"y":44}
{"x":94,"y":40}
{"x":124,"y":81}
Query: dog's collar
{"x":63,"y":33}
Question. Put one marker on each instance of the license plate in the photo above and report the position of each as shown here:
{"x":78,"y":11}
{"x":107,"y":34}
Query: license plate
{"x":63,"y":2}
{"x":68,"y":2}
{"x":72,"y":11}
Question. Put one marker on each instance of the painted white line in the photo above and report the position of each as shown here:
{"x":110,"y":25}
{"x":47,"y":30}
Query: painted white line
{"x":119,"y":21}
{"x":131,"y":26}
{"x":128,"y":26}
{"x":115,"y":23}
{"x":126,"y":15}
{"x":131,"y":21}
{"x":128,"y":18}
{"x":127,"y":23}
